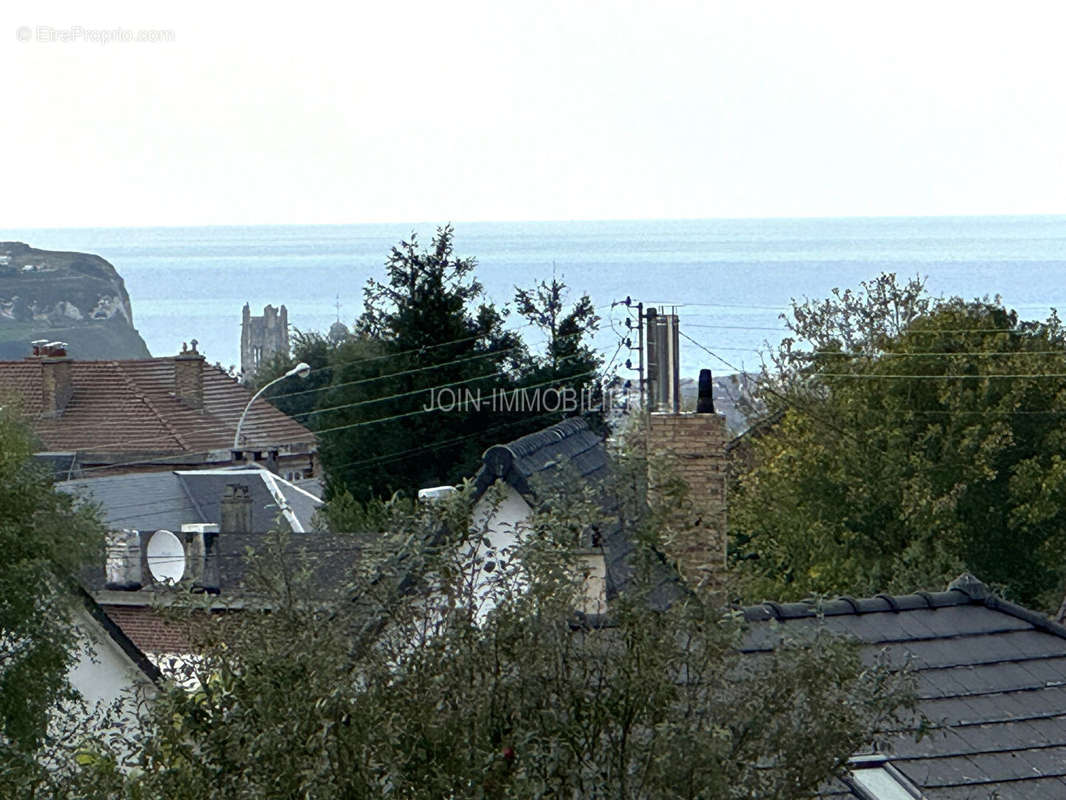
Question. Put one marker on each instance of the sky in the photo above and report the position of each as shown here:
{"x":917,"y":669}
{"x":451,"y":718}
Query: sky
{"x":427,"y":111}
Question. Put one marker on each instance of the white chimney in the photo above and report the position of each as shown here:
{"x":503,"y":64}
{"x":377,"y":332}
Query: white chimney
{"x":592,"y":571}
{"x":201,"y":556}
{"x":124,"y":560}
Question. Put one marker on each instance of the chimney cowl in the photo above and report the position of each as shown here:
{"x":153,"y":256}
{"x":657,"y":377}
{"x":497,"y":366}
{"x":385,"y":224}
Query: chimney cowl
{"x":705,"y":399}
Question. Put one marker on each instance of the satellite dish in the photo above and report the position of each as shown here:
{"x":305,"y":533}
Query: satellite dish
{"x":166,"y":557}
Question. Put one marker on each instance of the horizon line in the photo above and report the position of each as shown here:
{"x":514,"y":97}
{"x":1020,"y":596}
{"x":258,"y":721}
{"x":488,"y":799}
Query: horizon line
{"x":542,"y":221}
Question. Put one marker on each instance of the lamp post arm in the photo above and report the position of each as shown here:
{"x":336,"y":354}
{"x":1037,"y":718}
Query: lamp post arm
{"x":240,"y":422}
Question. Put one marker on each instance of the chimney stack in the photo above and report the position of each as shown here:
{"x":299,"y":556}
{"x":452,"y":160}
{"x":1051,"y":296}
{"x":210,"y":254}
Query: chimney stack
{"x":201,"y":544}
{"x":592,"y":572}
{"x":692,"y":447}
{"x":664,"y":373}
{"x":236,"y":512}
{"x":123,"y":560}
{"x":189,"y":376}
{"x":56,"y":386}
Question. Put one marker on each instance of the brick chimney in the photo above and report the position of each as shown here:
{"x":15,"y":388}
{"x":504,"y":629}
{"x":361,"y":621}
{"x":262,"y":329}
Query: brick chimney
{"x":692,"y":446}
{"x":236,"y":512}
{"x":56,"y":386}
{"x":189,"y":376}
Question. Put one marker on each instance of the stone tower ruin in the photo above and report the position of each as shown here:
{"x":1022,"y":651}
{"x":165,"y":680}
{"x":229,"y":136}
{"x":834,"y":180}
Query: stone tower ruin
{"x":263,"y":337}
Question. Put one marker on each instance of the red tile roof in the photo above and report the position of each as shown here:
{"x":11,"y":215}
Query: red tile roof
{"x":150,"y":631}
{"x":130,"y":407}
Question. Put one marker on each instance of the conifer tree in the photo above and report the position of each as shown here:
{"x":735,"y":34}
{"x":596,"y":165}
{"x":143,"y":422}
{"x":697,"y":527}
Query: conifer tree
{"x":398,"y":420}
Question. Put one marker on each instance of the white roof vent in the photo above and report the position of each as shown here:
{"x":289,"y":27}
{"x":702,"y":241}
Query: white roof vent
{"x":199,"y":527}
{"x":435,"y":493}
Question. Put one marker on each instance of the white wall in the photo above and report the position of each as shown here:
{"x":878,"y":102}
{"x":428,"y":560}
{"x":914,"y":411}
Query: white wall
{"x":103,"y":672}
{"x":112,"y":686}
{"x":501,"y":517}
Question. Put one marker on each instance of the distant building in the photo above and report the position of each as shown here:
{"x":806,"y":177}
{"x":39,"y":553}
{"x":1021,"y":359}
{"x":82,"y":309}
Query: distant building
{"x":263,"y":338}
{"x":338,"y":332}
{"x":106,"y":417}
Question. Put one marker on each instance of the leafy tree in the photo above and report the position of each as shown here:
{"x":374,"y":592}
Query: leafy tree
{"x":299,"y":399}
{"x":418,"y":682}
{"x":918,"y":437}
{"x":45,"y":540}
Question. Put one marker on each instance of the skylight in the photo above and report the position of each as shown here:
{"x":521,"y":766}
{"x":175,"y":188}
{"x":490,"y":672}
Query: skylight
{"x":876,"y":779}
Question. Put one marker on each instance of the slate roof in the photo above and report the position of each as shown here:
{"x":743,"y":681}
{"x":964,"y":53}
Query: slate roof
{"x":130,"y":406}
{"x":551,"y":460}
{"x":991,"y":676}
{"x":150,"y":501}
{"x":535,"y":462}
{"x":329,"y":558}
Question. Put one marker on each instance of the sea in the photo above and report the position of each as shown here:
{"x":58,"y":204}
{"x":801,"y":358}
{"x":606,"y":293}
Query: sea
{"x":730,"y":280}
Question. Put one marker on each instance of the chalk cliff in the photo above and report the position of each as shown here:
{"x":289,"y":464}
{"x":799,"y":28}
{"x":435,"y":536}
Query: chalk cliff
{"x":77,"y":298}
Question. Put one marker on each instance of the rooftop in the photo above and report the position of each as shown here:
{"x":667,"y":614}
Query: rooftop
{"x":131,"y":406}
{"x":552,"y":460}
{"x":151,"y":501}
{"x":991,"y":678}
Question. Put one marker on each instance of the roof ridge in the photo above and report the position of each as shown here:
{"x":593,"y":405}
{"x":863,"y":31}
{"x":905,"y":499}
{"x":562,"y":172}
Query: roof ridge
{"x":143,"y":397}
{"x":844,"y":605}
{"x":964,"y":590}
{"x":30,"y":359}
{"x":531,"y":442}
{"x":188,"y":494}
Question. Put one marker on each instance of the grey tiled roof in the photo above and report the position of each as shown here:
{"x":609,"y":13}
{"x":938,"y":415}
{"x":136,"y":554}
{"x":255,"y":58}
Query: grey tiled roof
{"x":150,"y":501}
{"x":539,"y":460}
{"x":146,"y":501}
{"x":552,"y":460}
{"x":991,"y":676}
{"x":330,"y":559}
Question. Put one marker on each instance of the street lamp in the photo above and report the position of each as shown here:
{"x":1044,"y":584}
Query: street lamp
{"x":301,"y":369}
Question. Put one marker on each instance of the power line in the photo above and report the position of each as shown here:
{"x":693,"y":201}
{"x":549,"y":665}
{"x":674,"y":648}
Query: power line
{"x":930,"y":354}
{"x":178,"y":457}
{"x":384,"y":458}
{"x":432,"y":409}
{"x":487,"y":354}
{"x":211,"y":428}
